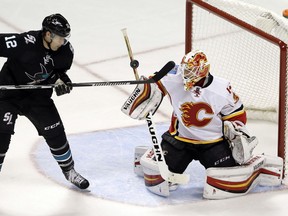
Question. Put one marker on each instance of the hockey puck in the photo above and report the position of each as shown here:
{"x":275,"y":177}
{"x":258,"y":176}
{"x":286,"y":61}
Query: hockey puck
{"x":134,"y":64}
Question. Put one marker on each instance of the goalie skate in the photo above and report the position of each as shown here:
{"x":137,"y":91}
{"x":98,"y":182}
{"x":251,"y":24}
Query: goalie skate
{"x":76,"y":179}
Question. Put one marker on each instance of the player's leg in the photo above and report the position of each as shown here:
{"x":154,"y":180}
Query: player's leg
{"x":4,"y":145}
{"x":47,"y":121}
{"x":216,"y":155}
{"x":61,"y":152}
{"x":177,"y":159}
{"x":8,"y":118}
{"x":152,"y":177}
{"x":176,"y":153}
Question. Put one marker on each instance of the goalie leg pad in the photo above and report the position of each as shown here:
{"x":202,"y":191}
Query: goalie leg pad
{"x":144,"y":99}
{"x":228,"y":182}
{"x":152,"y":178}
{"x":139,"y":152}
{"x":272,"y":172}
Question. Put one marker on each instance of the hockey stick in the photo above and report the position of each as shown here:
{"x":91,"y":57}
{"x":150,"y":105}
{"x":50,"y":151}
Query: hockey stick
{"x":133,"y":63}
{"x":166,"y":174}
{"x":153,"y":79}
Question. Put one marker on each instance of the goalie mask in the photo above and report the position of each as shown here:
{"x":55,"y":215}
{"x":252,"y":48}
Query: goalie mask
{"x":194,"y":66}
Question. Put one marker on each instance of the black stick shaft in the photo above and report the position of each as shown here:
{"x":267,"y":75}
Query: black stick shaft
{"x":155,"y":78}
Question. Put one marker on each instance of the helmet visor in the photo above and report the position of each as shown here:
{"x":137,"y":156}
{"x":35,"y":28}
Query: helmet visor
{"x":60,"y":39}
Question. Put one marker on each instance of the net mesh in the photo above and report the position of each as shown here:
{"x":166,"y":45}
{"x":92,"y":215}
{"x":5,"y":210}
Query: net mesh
{"x":249,"y":61}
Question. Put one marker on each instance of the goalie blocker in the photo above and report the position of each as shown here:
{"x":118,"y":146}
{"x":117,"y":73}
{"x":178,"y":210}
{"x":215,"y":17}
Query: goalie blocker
{"x":144,"y":99}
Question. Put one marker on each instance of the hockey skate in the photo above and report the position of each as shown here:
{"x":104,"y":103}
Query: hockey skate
{"x":76,"y":179}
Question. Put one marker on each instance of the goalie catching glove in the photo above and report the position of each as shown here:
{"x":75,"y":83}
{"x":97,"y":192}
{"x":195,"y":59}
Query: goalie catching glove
{"x":144,"y":99}
{"x":242,"y":144}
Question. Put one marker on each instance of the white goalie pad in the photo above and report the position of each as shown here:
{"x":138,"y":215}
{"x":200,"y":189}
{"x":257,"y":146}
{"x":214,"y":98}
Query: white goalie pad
{"x":272,"y":174}
{"x":153,"y":180}
{"x":228,"y":182}
{"x":152,"y":177}
{"x":242,"y":144}
{"x":139,"y":152}
{"x":144,"y":99}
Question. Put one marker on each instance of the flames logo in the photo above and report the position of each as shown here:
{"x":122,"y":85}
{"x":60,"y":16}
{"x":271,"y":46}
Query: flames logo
{"x":190,"y":114}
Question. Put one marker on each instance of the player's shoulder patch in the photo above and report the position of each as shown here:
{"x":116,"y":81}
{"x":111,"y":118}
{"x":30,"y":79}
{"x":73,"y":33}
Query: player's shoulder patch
{"x":31,"y":37}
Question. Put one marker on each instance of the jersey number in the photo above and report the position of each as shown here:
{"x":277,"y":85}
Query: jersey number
{"x":11,"y":42}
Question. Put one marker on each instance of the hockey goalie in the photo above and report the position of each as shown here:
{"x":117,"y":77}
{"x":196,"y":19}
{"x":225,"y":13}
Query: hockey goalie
{"x":207,"y":125}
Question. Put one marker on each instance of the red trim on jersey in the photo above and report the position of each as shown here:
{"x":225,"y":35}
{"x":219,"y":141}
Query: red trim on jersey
{"x":238,"y":116}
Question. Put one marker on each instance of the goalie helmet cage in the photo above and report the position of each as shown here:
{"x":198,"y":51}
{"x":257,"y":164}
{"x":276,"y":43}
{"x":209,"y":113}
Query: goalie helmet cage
{"x":246,"y":44}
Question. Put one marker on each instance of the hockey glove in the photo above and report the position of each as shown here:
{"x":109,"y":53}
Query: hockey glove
{"x":242,"y":144}
{"x":62,"y":87}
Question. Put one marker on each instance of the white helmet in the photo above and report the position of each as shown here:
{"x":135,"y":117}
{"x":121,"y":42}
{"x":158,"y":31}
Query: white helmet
{"x":194,"y":66}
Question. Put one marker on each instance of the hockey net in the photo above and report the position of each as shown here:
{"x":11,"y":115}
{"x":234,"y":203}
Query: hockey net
{"x":247,"y":45}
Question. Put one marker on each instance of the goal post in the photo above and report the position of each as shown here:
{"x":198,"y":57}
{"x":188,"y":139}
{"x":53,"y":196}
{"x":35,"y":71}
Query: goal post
{"x":246,"y":44}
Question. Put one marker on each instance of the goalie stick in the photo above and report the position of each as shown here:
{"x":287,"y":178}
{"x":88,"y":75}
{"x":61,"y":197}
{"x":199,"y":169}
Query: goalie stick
{"x":153,"y":79}
{"x":166,"y":174}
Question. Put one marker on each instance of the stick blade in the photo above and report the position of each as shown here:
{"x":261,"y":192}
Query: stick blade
{"x":168,"y":67}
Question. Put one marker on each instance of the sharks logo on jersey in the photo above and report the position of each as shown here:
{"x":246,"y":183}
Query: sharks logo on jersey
{"x":43,"y":74}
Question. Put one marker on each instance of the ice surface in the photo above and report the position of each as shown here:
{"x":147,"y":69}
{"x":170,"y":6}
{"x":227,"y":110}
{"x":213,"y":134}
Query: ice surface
{"x":156,"y":32}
